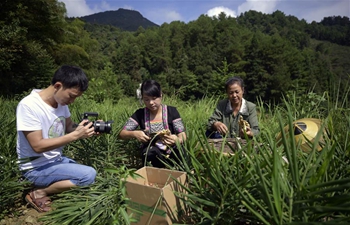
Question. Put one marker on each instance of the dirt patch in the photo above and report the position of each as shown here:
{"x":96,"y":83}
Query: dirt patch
{"x":26,"y":215}
{"x":231,"y":145}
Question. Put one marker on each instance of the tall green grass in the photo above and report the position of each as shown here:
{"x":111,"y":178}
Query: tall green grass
{"x":267,"y":184}
{"x":11,"y":185}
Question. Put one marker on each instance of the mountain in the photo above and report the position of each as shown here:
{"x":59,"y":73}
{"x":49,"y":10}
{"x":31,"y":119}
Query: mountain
{"x":129,"y":20}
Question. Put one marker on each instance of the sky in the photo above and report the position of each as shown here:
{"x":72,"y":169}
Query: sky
{"x":166,"y":11}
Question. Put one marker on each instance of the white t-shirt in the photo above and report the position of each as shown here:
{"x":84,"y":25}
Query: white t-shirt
{"x":34,"y":114}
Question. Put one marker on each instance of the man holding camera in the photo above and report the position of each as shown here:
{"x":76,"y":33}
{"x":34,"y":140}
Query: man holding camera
{"x":44,"y":127}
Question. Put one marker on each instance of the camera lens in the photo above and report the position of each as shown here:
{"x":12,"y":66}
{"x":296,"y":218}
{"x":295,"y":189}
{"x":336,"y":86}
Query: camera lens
{"x":103,"y":127}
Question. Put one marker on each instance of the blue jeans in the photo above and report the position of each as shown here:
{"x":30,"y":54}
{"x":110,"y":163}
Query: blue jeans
{"x":213,"y":134}
{"x":62,"y":169}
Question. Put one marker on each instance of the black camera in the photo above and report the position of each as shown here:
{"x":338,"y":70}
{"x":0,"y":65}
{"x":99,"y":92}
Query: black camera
{"x":100,"y":126}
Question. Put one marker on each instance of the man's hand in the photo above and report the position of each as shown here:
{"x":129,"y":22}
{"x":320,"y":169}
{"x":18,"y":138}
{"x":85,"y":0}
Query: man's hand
{"x":40,"y":144}
{"x":220,"y":127}
{"x":247,"y":130}
{"x":84,"y":131}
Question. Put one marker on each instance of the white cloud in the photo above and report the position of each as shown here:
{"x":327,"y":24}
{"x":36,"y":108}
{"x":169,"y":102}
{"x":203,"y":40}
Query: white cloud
{"x":264,"y":6}
{"x":341,"y":8}
{"x":161,"y":16}
{"x":103,"y":6}
{"x":77,"y":8}
{"x":128,"y":7}
{"x":214,"y":12}
{"x":172,"y":16}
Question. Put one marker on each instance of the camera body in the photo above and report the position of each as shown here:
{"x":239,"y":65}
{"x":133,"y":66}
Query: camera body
{"x":99,"y":126}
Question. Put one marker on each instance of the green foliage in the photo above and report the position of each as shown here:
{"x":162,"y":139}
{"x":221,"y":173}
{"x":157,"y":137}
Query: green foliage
{"x":11,"y":186}
{"x":28,"y":31}
{"x":273,"y":51}
{"x":271,"y":183}
{"x":71,"y":54}
{"x":77,"y":48}
{"x":101,"y":203}
{"x":334,"y":29}
{"x":186,"y":58}
{"x":105,"y":86}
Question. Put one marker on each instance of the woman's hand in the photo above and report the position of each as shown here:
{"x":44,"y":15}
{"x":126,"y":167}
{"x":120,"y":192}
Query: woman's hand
{"x":141,"y":136}
{"x":220,"y":127}
{"x":169,"y":139}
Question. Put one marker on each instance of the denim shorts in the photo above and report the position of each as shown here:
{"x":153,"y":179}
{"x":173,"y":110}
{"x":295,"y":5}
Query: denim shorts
{"x":63,"y":168}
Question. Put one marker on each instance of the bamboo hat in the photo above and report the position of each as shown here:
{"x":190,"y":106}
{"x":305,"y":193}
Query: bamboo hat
{"x":305,"y":131}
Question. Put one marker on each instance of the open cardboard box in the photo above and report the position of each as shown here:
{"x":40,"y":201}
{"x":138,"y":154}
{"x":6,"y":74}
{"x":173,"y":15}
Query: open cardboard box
{"x":152,"y":198}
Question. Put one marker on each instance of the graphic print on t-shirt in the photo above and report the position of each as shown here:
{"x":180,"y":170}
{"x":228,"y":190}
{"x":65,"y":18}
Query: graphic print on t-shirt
{"x":58,"y":127}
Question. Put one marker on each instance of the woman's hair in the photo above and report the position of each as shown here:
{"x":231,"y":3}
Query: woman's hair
{"x":234,"y":80}
{"x":71,"y":77}
{"x":151,"y":88}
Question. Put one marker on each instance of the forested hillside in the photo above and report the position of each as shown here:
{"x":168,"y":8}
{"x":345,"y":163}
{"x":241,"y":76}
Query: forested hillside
{"x":274,"y":53}
{"x":125,"y":19}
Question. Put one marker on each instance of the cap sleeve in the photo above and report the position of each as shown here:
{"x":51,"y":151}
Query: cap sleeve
{"x":176,"y":120}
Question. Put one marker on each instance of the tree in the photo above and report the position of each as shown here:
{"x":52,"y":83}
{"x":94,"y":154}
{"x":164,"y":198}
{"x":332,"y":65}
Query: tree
{"x":105,"y":86}
{"x":28,"y":31}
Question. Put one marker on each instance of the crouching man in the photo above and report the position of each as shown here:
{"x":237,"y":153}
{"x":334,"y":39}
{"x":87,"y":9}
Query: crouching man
{"x":44,"y":127}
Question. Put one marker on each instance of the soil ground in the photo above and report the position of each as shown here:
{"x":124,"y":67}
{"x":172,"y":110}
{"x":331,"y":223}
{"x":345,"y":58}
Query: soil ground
{"x":27,"y":215}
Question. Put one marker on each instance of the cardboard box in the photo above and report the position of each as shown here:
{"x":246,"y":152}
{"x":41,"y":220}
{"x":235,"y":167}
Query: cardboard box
{"x":151,"y":197}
